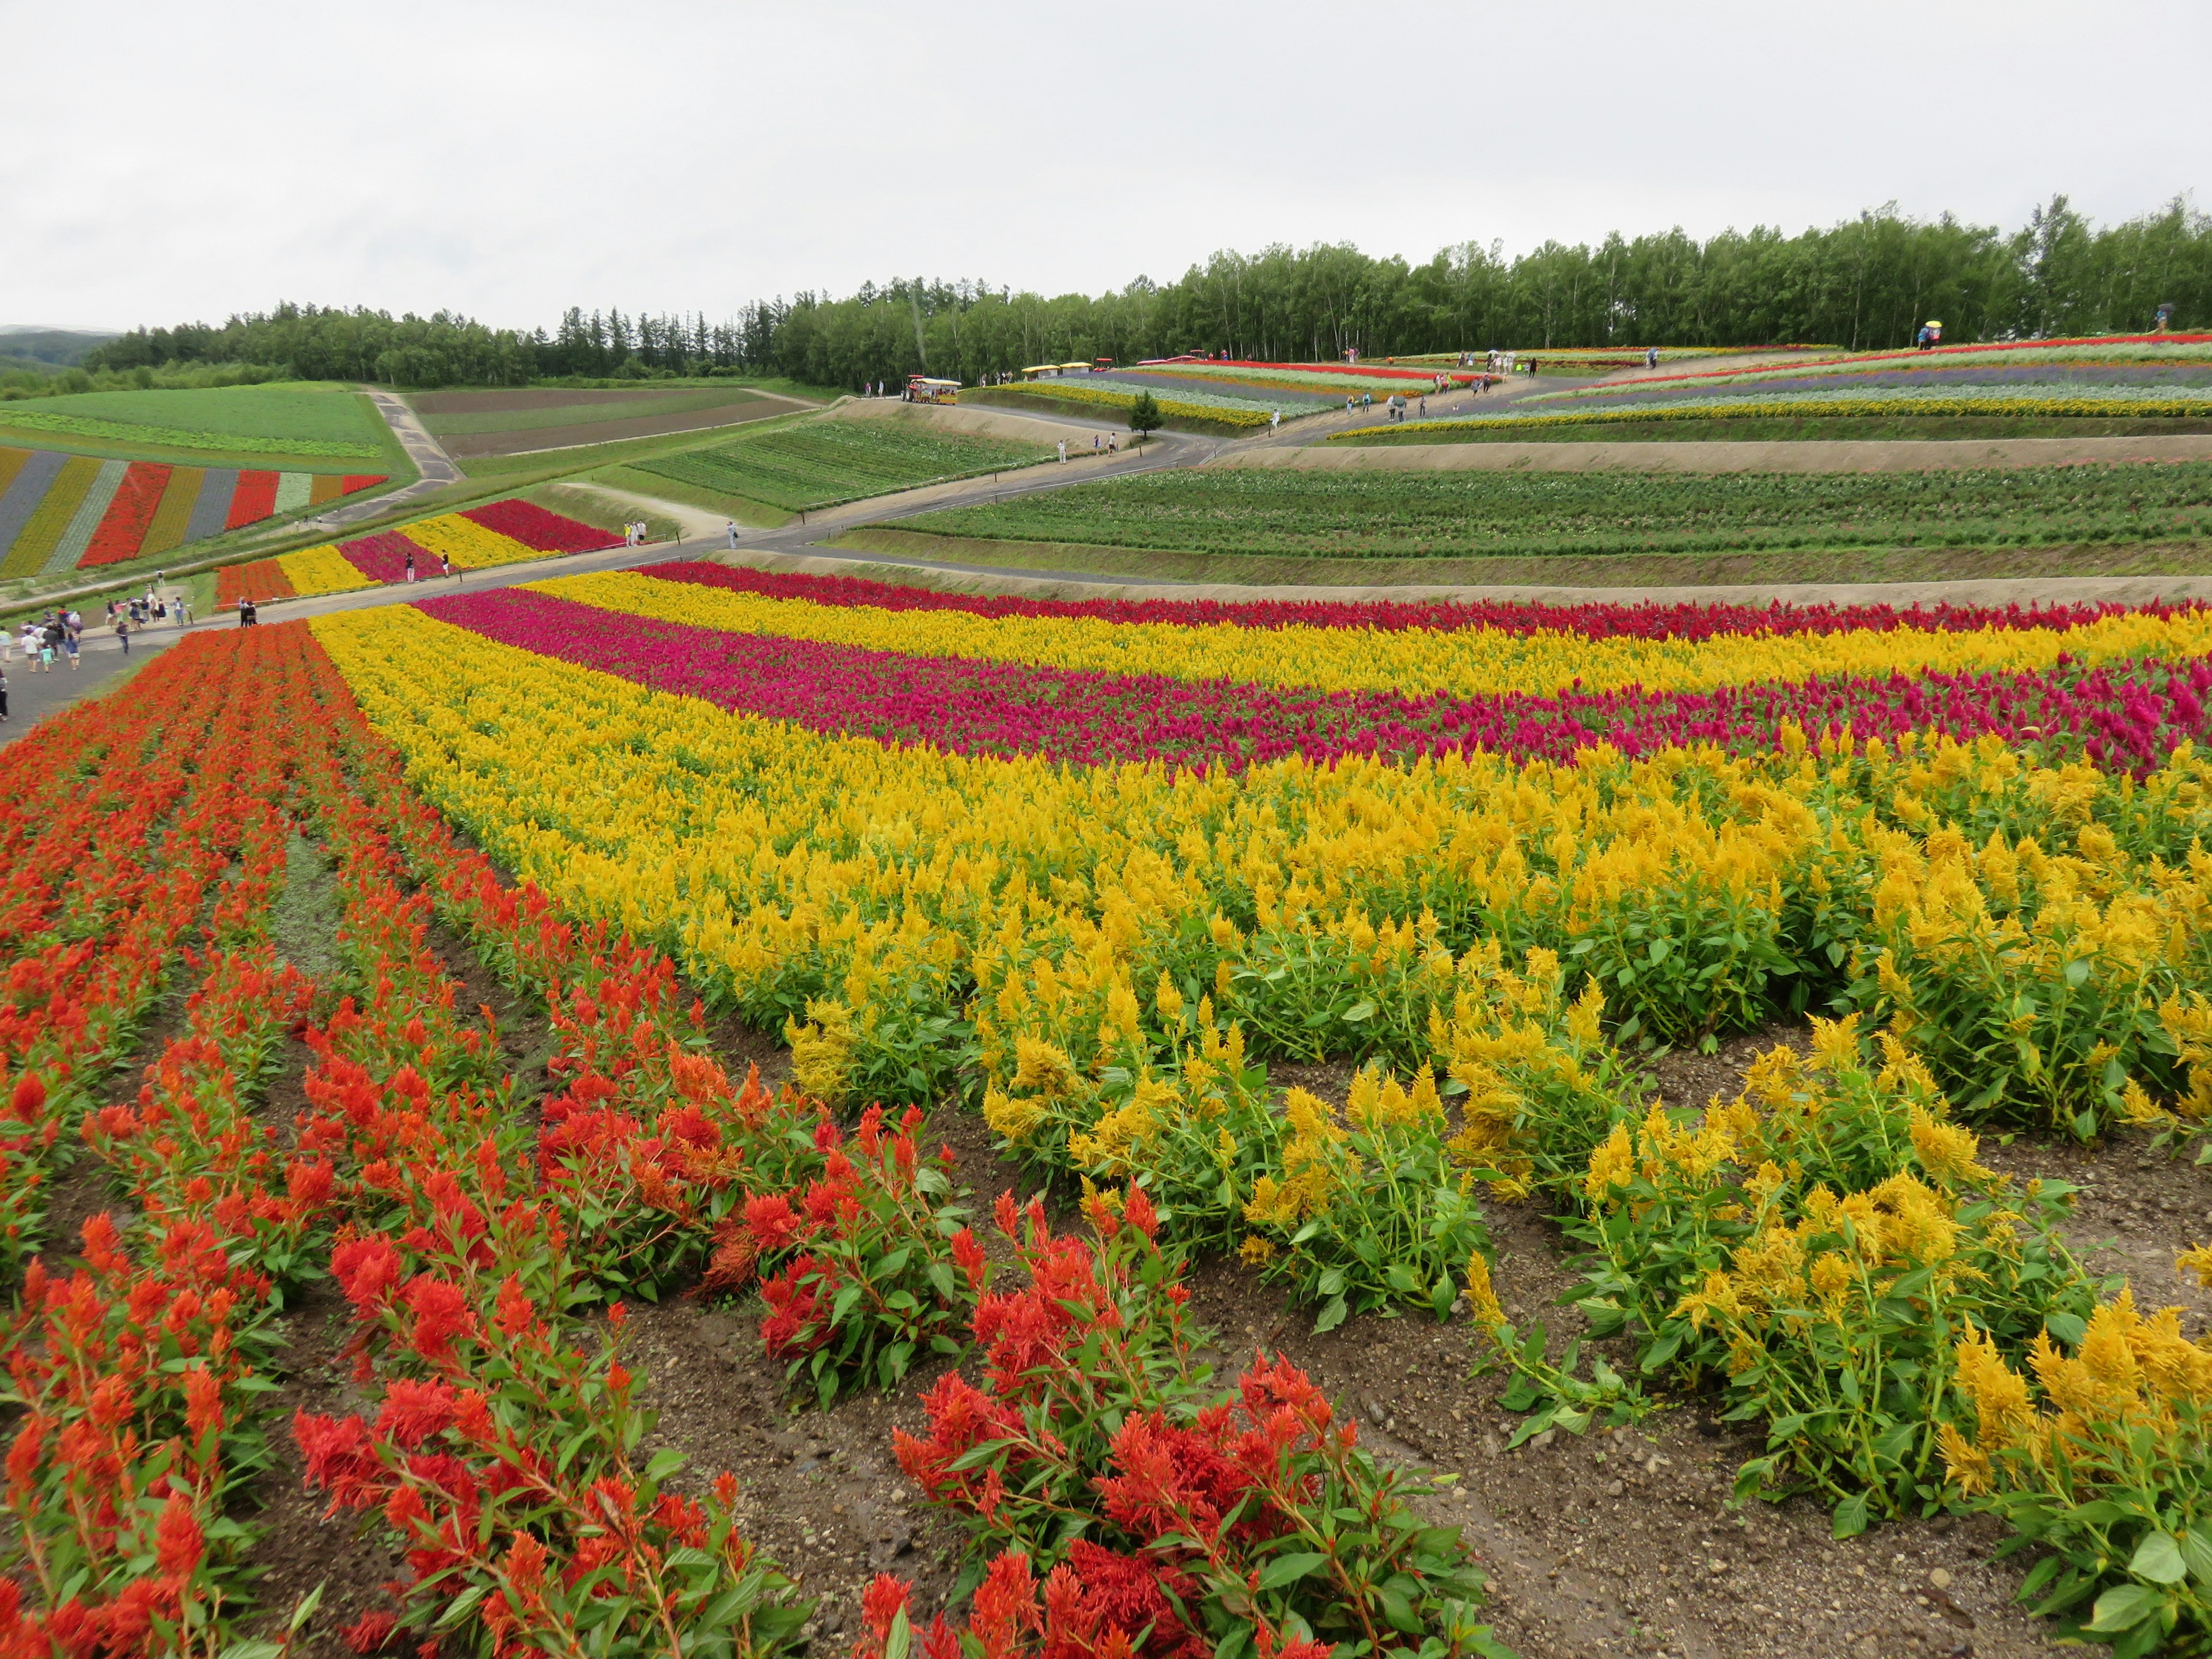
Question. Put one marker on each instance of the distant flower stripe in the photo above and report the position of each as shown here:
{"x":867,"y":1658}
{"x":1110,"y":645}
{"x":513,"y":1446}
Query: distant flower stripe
{"x":2126,"y":716}
{"x":537,"y":528}
{"x":1512,"y":617}
{"x":1464,"y":662}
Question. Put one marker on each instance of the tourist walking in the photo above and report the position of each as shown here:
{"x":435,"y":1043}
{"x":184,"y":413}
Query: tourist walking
{"x":445,"y":566}
{"x":241,"y":610}
{"x":730,"y":529}
{"x":123,"y":628}
{"x":410,"y":564}
{"x":1063,"y":449}
{"x":3,"y":696}
{"x":69,"y":644}
{"x":1651,"y":358}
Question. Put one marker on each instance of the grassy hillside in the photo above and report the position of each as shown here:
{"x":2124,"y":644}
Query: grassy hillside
{"x":815,"y":464}
{"x":531,"y":420}
{"x":330,"y":427}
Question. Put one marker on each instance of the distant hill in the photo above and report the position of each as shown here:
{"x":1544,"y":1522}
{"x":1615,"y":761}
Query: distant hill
{"x":64,"y":347}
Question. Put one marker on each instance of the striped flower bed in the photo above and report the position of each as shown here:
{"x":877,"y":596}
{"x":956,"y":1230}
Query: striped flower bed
{"x":478,"y":538}
{"x":61,"y":512}
{"x":2130,"y":714}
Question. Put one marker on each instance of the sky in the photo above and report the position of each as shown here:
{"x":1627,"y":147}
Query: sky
{"x":163,"y":163}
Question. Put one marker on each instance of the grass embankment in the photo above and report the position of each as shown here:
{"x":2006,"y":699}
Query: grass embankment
{"x":1856,"y":564}
{"x":1845,"y":429}
{"x":805,"y":466}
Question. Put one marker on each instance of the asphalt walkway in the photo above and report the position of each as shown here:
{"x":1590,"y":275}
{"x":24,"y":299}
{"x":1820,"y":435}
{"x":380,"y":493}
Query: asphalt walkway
{"x":101,"y":664}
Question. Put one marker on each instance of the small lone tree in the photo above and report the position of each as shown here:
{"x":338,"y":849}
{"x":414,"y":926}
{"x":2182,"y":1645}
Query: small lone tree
{"x":1145,"y":415}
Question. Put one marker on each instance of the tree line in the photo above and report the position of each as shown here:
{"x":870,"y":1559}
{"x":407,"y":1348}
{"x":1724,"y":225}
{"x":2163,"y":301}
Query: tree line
{"x":1865,"y":283}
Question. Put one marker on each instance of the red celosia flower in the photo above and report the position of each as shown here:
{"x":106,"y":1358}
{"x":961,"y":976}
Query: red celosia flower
{"x":371,"y":1633}
{"x":177,"y":1544}
{"x":366,"y":1270}
{"x":1126,"y":1594}
{"x":441,"y":1313}
{"x":414,"y":1412}
{"x":771,"y":1221}
{"x":969,"y":1254}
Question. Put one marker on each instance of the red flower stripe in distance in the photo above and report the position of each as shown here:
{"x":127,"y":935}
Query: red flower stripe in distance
{"x":1366,"y":371}
{"x":533,"y":526}
{"x":1649,"y":622}
{"x":123,"y":528}
{"x":357,"y":481}
{"x":254,"y":499}
{"x":383,"y":557}
{"x":264,"y":579}
{"x":2129,"y":716}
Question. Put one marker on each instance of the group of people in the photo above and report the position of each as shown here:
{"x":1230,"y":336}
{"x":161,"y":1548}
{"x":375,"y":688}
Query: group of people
{"x":634,"y":534}
{"x":44,"y":641}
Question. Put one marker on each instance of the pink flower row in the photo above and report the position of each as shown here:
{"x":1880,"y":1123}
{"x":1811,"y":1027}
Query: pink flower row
{"x":2124,"y":719}
{"x":1651,"y":622}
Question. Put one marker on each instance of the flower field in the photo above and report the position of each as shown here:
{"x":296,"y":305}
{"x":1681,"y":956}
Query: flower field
{"x":60,"y":513}
{"x":2167,"y":378}
{"x":819,"y":463}
{"x":1082,"y":871}
{"x":475,"y":539}
{"x":1394,"y":514}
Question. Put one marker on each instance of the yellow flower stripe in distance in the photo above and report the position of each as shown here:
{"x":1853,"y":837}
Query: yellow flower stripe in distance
{"x":466,"y":543}
{"x":1468,"y":662}
{"x":867,"y":883}
{"x":321,"y":570}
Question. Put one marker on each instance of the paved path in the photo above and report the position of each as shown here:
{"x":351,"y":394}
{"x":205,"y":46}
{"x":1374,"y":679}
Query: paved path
{"x":34,"y":697}
{"x":436,"y":467}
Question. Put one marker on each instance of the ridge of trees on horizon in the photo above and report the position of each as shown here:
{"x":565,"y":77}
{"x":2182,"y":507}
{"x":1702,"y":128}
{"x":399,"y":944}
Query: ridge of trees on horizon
{"x":1865,"y":283}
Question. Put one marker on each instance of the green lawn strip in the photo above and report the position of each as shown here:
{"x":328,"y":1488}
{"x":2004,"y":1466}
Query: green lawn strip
{"x":825,"y":463}
{"x":757,"y":515}
{"x":1848,"y":428}
{"x":1422,"y":513}
{"x":1854,"y":564}
{"x":458,"y":423}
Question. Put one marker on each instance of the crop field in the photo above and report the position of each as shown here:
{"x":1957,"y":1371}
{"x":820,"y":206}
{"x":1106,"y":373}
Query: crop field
{"x":476,"y":539}
{"x":315,"y":423}
{"x":472,"y":424}
{"x":1207,"y":1046}
{"x":2123,"y":381}
{"x":60,"y":512}
{"x":818,"y":463}
{"x":1427,"y":515}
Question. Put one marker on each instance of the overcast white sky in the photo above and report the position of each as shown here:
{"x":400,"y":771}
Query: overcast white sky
{"x":161,"y":162}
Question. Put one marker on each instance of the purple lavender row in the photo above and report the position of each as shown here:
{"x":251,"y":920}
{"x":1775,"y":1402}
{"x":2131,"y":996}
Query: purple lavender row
{"x":2127,"y":718}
